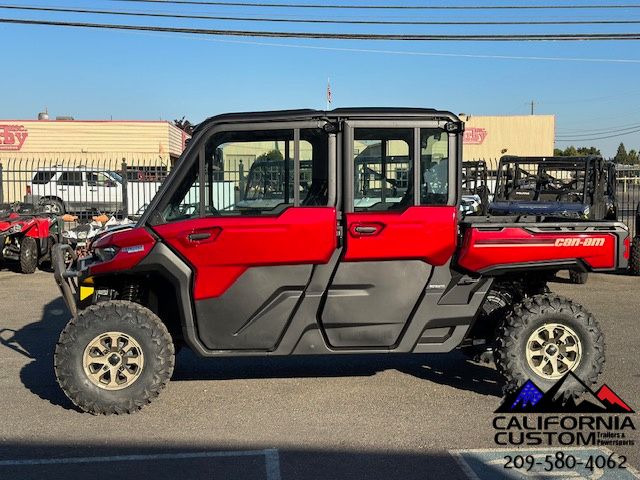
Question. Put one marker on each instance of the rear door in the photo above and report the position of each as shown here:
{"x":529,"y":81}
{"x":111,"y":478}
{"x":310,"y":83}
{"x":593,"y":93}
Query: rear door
{"x":400,"y":222}
{"x":252,"y":245}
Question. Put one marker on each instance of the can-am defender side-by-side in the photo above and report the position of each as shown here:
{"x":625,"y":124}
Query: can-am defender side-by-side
{"x":556,"y":188}
{"x":326,"y":269}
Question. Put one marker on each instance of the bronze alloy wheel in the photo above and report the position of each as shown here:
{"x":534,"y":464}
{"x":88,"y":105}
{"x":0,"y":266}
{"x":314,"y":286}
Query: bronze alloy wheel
{"x":553,"y":350}
{"x":113,"y":360}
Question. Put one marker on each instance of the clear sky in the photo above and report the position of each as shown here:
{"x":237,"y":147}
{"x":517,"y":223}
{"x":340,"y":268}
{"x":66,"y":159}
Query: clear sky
{"x":93,"y":74}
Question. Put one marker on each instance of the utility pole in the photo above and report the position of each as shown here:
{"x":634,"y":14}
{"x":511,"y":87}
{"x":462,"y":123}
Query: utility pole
{"x":532,"y":105}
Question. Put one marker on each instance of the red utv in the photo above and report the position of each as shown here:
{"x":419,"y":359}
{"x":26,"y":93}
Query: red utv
{"x":26,"y":238}
{"x":354,"y":244}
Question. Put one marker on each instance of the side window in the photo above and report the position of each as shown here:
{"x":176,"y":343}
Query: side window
{"x":253,"y":173}
{"x":434,"y":167}
{"x":382,"y":169}
{"x":43,"y":177}
{"x":70,"y":179}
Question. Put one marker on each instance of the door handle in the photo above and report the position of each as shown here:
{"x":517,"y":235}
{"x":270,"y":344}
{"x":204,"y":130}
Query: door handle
{"x":365,"y":229}
{"x":199,"y":237}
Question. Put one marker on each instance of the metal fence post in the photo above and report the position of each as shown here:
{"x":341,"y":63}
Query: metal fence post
{"x":241,"y":180}
{"x":1,"y":185}
{"x":125,"y":193}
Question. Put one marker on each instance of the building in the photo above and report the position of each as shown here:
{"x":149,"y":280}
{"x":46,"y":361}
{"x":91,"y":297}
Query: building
{"x":81,"y":142}
{"x":490,"y":137}
{"x":148,"y":148}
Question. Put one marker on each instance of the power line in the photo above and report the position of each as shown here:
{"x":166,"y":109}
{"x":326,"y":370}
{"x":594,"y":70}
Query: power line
{"x":333,"y":36}
{"x":393,"y":52}
{"x":599,"y":132}
{"x":386,"y":7}
{"x":597,"y":138}
{"x":319,"y":21}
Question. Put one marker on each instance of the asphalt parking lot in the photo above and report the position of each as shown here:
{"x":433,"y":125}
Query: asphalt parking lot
{"x":375,"y":417}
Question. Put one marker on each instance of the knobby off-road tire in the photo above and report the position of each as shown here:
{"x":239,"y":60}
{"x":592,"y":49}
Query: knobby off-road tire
{"x":578,"y":278}
{"x":529,"y":320}
{"x":28,"y":255}
{"x":126,"y":334}
{"x":634,"y":262}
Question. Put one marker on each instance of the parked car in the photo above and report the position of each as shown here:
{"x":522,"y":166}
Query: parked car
{"x":62,"y":190}
{"x":335,"y":277}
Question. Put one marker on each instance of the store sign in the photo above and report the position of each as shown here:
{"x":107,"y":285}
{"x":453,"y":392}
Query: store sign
{"x":474,"y":136}
{"x":12,"y":137}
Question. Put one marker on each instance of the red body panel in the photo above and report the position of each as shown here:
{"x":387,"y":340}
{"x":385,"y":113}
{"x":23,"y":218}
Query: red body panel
{"x":483,"y":249}
{"x":423,"y":233}
{"x":298,"y":236}
{"x":36,"y":227}
{"x":133,"y":245}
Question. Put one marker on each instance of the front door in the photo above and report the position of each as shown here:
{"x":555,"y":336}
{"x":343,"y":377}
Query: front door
{"x":400,"y":222}
{"x":252,"y":216}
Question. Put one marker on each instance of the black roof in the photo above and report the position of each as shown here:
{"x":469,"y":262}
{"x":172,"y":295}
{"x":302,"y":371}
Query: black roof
{"x":310,"y":114}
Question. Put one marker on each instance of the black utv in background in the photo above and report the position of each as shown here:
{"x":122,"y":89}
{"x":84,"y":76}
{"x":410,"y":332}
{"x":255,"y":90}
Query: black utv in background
{"x":556,"y":188}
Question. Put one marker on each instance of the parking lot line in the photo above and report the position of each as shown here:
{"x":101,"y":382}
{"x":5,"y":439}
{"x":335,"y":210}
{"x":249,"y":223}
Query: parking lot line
{"x":271,"y":456}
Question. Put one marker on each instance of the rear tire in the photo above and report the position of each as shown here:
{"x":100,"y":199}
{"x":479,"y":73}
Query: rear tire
{"x":28,"y":255}
{"x":52,"y":205}
{"x":634,"y":262}
{"x":575,"y":344}
{"x":114,"y":358}
{"x":578,"y":278}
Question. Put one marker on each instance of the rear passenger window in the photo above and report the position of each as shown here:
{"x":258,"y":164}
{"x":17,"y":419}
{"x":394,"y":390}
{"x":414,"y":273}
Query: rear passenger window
{"x":71,"y":179}
{"x":434,"y":167}
{"x":383,"y":168}
{"x":43,"y":177}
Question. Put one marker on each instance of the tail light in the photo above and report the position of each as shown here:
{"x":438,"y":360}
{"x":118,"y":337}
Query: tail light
{"x":627,"y":248}
{"x":28,"y":189}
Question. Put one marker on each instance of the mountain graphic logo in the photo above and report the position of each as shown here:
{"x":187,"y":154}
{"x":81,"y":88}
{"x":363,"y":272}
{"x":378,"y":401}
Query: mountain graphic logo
{"x":530,"y":399}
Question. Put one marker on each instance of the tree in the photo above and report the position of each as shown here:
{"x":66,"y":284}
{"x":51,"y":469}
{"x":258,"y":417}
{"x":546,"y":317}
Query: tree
{"x":633,"y":157}
{"x":622,"y":157}
{"x":572,"y":151}
{"x":184,"y":125}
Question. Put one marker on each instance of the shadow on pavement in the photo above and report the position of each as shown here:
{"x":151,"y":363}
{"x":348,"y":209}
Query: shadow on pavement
{"x":208,"y":460}
{"x":37,"y":341}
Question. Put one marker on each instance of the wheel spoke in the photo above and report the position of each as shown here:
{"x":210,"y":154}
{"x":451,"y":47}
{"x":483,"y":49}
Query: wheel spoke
{"x":115,"y":339}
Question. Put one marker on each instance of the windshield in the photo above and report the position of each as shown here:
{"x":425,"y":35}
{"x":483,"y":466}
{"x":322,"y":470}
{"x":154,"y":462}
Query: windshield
{"x":116,"y":176}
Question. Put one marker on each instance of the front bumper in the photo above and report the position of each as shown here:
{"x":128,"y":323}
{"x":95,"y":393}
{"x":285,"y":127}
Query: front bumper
{"x":68,"y":275}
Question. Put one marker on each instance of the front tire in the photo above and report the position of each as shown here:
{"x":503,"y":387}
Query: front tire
{"x":114,"y":358}
{"x":28,"y":255}
{"x":543,"y":339}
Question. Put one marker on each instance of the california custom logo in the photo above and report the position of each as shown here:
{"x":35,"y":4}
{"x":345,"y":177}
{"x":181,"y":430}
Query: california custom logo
{"x":531,"y":417}
{"x":12,"y":137}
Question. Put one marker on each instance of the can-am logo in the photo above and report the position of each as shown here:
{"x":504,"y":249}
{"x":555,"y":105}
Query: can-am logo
{"x":579,"y":242}
{"x":12,"y":137}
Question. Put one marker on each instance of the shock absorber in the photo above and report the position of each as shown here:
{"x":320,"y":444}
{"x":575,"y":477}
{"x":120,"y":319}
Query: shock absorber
{"x":130,"y":292}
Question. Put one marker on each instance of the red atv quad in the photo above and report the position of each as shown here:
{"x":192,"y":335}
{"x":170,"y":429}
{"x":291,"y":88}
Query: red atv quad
{"x":351,"y":244}
{"x":27,"y":237}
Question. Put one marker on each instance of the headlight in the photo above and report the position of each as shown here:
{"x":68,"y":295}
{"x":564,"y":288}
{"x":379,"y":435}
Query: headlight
{"x":15,"y":228}
{"x":105,"y":254}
